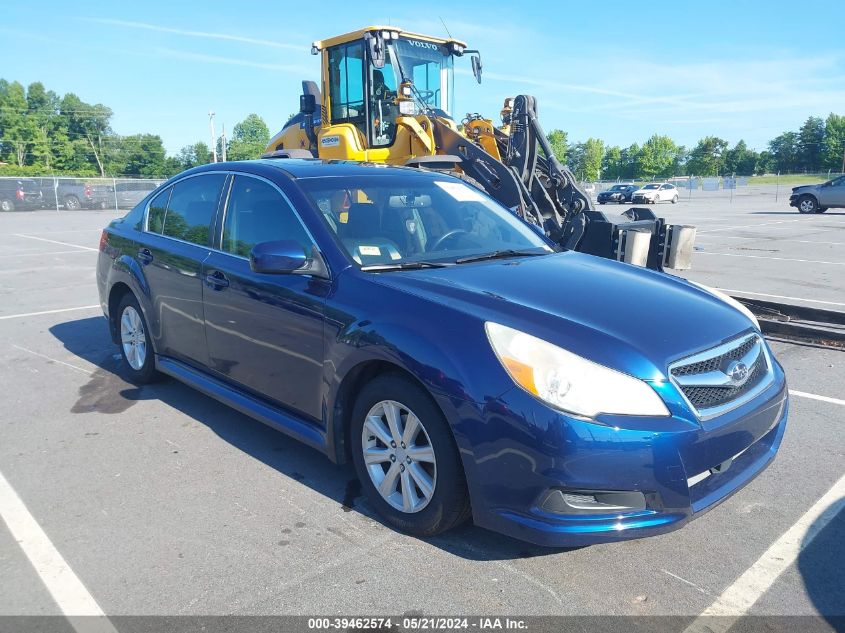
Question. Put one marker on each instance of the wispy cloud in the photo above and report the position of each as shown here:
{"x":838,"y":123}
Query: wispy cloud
{"x":230,"y":61}
{"x":201,"y":34}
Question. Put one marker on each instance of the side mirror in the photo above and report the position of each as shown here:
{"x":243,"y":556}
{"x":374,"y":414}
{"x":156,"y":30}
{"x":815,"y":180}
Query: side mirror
{"x":307,"y":104}
{"x":278,"y":258}
{"x":475,"y":60}
{"x":375,"y":42}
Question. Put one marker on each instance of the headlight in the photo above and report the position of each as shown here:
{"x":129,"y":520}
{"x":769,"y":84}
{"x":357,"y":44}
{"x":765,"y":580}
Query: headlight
{"x":567,"y":381}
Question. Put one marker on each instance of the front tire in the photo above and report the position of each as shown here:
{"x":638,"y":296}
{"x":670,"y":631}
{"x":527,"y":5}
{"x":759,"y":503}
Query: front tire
{"x":656,"y":199}
{"x":135,"y":344}
{"x":72,"y":203}
{"x":807,"y":204}
{"x":675,"y":200}
{"x":405,"y":456}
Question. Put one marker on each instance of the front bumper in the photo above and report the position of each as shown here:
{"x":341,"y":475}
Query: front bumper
{"x":642,"y":200}
{"x":680,"y":465}
{"x":793,"y":200}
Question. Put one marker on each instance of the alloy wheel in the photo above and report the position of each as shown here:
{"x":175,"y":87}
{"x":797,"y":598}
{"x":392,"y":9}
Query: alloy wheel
{"x":807,"y":205}
{"x":133,"y":338}
{"x":399,"y":456}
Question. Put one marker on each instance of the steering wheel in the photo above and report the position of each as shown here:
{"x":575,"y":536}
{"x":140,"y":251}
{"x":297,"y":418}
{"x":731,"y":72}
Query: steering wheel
{"x":446,"y":236}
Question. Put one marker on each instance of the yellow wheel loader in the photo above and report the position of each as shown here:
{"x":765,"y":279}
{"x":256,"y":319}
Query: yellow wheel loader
{"x":387,"y":96}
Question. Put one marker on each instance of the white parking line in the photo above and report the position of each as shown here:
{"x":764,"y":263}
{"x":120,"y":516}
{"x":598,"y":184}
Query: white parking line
{"x":44,"y":239}
{"x":769,"y":240}
{"x":29,"y":314}
{"x":61,"y":581}
{"x":813,"y":396}
{"x":747,"y":226}
{"x":51,"y":359}
{"x":762,"y":294}
{"x":738,"y":599}
{"x":783,"y":259}
{"x":40,"y":254}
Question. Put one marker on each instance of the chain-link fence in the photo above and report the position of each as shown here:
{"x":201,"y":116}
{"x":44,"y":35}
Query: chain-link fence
{"x":71,"y":194}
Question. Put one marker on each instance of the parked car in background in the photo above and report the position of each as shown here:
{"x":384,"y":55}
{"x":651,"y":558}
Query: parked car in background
{"x":819,"y":198}
{"x":655,"y":192}
{"x":560,"y":418}
{"x":19,"y":194}
{"x":619,"y":193}
{"x":131,"y":192}
{"x":76,"y":193}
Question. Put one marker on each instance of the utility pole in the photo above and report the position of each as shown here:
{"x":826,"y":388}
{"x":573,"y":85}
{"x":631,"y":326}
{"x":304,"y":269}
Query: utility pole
{"x":213,"y":137}
{"x":843,"y":158}
{"x":223,"y":142}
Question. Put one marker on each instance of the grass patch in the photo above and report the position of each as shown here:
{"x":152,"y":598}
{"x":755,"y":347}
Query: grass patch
{"x":787,"y":179}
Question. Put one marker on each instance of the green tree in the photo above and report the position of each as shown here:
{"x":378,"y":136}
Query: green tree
{"x":707,"y":157}
{"x":611,"y":164}
{"x":143,"y":155}
{"x":741,"y":160}
{"x":193,"y":155}
{"x":586,"y":157}
{"x":631,"y":162}
{"x":657,"y":157}
{"x":811,"y":144}
{"x":784,"y":151}
{"x":89,"y":123}
{"x":833,"y":151}
{"x":249,"y":139}
{"x":18,"y":131}
{"x":559,"y":142}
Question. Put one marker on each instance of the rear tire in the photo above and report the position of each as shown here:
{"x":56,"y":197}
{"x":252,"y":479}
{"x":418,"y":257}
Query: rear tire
{"x":807,"y":204}
{"x":136,"y":347}
{"x":429,"y":494}
{"x":7,"y":204}
{"x":72,"y":203}
{"x":675,"y":200}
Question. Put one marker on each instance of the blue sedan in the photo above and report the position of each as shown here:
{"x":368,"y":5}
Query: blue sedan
{"x":405,"y":321}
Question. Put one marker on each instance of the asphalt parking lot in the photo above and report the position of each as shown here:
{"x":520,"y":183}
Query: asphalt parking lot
{"x":162,"y":501}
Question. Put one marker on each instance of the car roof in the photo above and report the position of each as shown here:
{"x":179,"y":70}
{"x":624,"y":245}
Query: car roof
{"x":315,"y":168}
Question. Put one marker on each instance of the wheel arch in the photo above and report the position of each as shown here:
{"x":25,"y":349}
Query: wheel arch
{"x":350,"y":386}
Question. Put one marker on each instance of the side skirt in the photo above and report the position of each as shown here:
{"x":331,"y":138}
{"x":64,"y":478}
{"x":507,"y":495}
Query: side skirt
{"x":279,"y":419}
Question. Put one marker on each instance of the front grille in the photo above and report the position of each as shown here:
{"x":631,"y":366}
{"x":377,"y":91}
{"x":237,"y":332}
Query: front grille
{"x":703,"y":378}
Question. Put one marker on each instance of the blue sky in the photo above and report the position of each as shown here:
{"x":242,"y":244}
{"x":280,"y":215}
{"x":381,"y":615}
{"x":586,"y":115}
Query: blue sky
{"x":736,"y":69}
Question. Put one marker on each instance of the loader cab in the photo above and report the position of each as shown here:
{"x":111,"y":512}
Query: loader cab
{"x":373,"y":77}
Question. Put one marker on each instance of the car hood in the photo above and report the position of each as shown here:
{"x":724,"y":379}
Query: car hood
{"x":629,"y":318}
{"x":804,"y":188}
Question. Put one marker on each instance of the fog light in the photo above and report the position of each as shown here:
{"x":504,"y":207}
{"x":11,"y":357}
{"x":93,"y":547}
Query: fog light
{"x":593,"y":501}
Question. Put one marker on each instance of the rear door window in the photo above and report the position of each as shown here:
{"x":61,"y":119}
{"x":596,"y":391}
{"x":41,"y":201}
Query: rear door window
{"x":192,"y":207}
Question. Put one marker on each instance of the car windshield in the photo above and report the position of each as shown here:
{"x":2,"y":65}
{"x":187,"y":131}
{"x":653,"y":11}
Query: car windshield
{"x":652,"y":187}
{"x":618,"y":188}
{"x":394,"y":220}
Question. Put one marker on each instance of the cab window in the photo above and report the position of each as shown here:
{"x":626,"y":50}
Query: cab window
{"x":346,"y":84}
{"x":257,"y":213}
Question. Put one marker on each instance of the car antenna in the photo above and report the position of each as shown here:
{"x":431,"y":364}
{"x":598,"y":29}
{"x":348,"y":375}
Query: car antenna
{"x":445,"y":27}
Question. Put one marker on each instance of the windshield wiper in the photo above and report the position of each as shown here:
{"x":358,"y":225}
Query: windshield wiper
{"x":406,"y":266}
{"x":500,"y":255}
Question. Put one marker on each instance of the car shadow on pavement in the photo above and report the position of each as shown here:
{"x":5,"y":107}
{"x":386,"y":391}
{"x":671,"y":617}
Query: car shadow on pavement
{"x":110,"y":391}
{"x":820,"y":564}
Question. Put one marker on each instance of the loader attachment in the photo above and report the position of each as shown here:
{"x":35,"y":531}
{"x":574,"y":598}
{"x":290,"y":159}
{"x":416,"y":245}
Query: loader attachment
{"x":530,"y":180}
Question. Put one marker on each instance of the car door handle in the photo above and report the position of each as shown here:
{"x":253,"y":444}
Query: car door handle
{"x":216,"y":280}
{"x":145,"y":255}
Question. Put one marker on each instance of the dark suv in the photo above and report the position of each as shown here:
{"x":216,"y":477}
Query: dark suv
{"x":19,"y":193}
